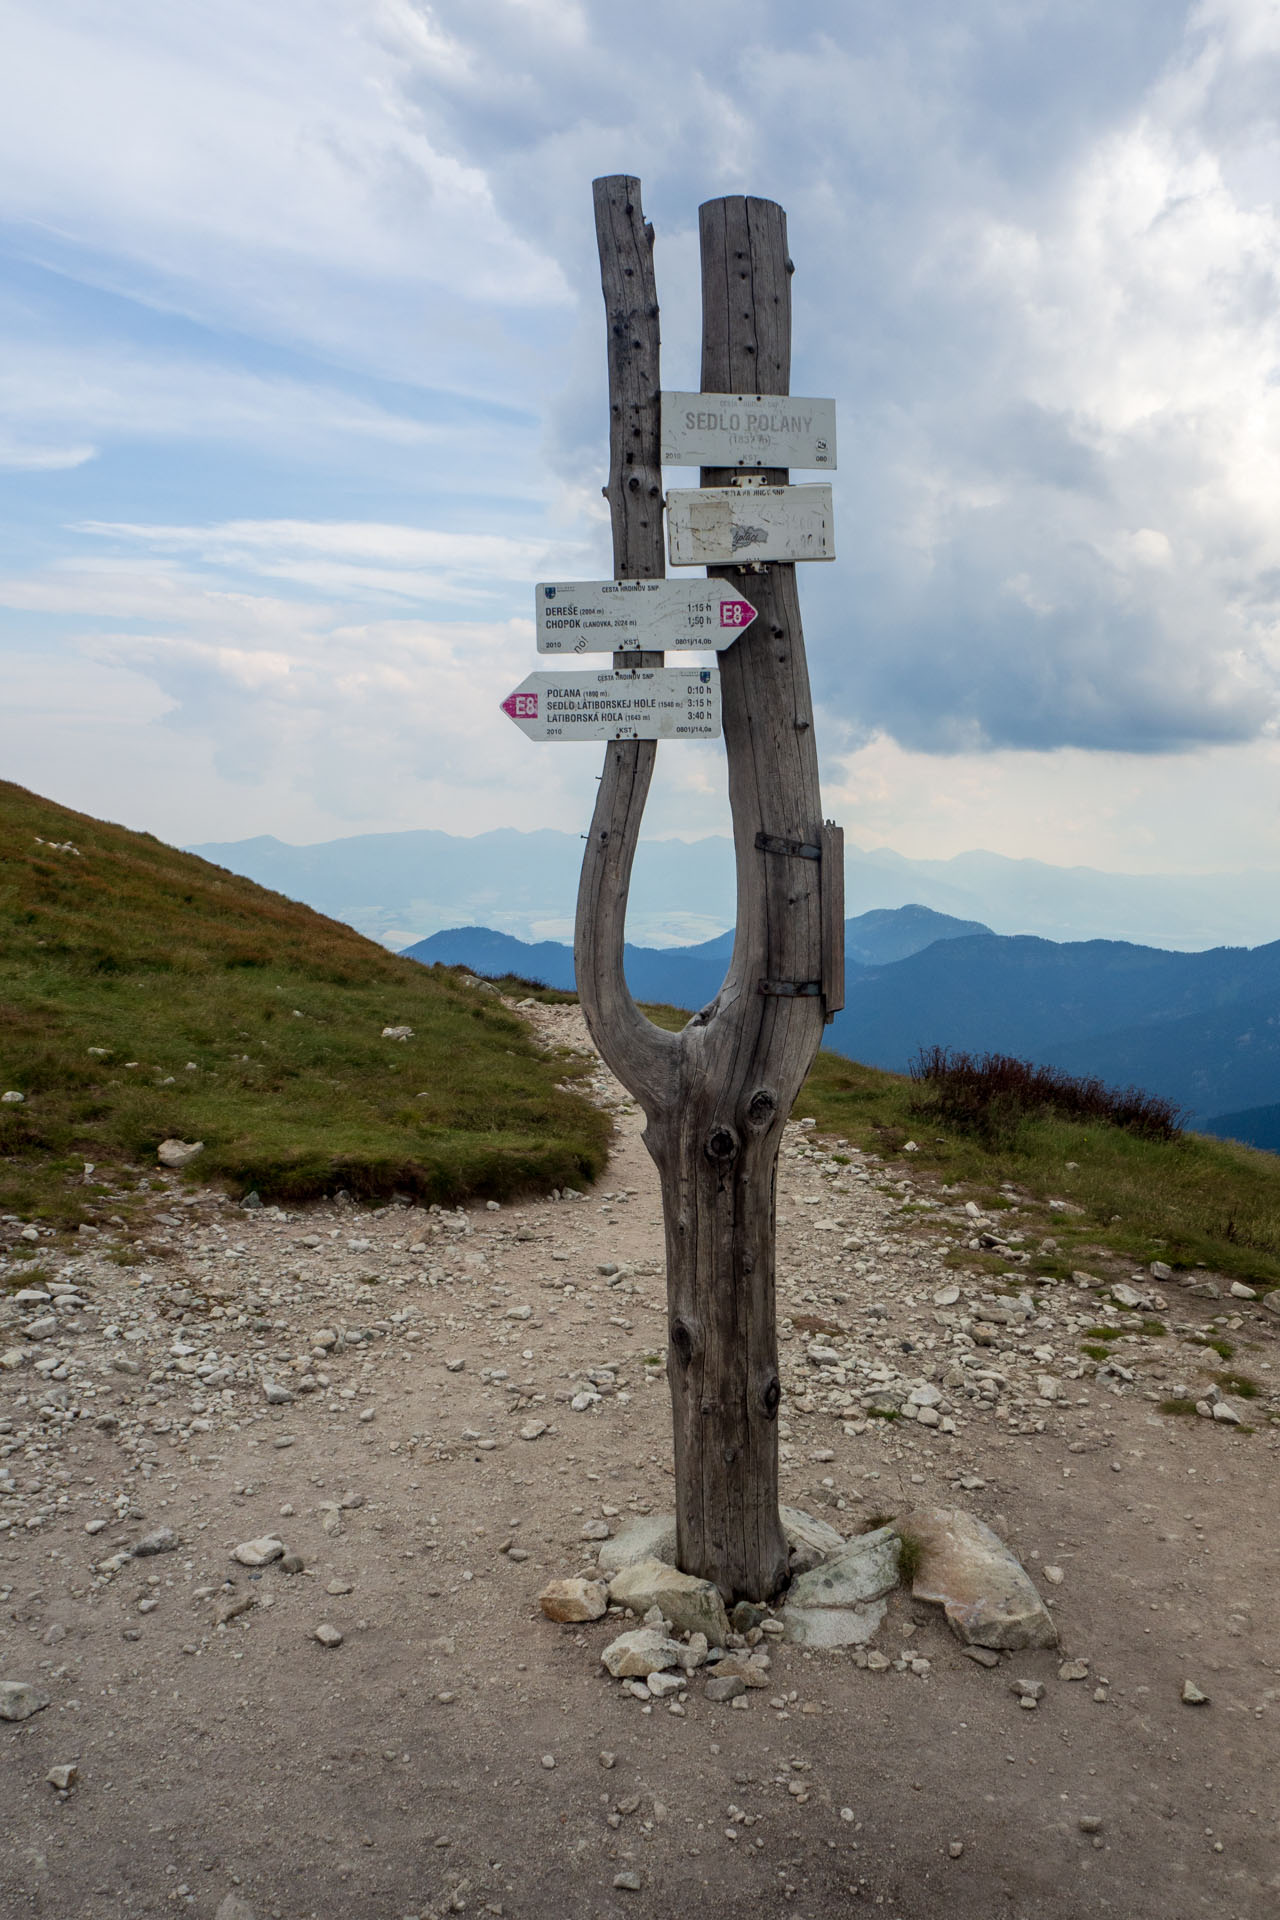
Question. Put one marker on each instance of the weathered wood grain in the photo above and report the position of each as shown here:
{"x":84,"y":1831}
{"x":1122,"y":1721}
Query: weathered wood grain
{"x":716,"y":1096}
{"x":639,"y":1053}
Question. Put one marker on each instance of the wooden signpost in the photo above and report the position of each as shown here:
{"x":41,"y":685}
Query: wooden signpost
{"x":716,"y":1096}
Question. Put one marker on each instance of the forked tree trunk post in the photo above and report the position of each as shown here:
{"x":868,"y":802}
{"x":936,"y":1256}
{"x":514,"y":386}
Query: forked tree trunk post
{"x":716,"y":1096}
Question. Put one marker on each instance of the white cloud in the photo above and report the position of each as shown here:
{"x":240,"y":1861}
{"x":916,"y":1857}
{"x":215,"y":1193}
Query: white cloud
{"x":243,"y":165}
{"x":123,"y":394}
{"x":30,"y":458}
{"x":1214,"y":809}
{"x":344,"y":560}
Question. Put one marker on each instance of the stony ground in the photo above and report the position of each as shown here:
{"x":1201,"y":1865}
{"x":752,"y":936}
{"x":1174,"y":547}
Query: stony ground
{"x":436,"y":1413}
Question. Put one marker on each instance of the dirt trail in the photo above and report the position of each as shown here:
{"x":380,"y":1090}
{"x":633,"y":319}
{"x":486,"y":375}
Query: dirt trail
{"x":447,"y":1755}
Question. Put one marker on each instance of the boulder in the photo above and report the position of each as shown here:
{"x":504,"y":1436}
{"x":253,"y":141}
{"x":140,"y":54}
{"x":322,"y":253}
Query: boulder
{"x":178,"y":1153}
{"x":810,"y":1540}
{"x":19,"y":1699}
{"x":641,"y":1652}
{"x":736,"y":1666}
{"x":841,"y":1603}
{"x":690,"y":1604}
{"x":571,"y":1600}
{"x":968,"y":1571}
{"x":163,"y":1540}
{"x":258,"y":1553}
{"x":232,"y":1907}
{"x":650,"y":1538}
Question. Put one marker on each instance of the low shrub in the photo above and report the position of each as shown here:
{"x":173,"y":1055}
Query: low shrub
{"x":991,"y":1093}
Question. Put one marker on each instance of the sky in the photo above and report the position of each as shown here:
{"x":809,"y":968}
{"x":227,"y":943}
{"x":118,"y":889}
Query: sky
{"x":302,"y":387}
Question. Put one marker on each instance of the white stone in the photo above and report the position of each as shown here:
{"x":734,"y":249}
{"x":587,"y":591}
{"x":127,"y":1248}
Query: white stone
{"x":19,"y":1699}
{"x":967,"y":1569}
{"x":258,"y":1553}
{"x":651,"y":1538}
{"x":643,"y":1651}
{"x":841,"y":1603}
{"x":574,"y":1600}
{"x":178,"y":1153}
{"x":690,"y":1604}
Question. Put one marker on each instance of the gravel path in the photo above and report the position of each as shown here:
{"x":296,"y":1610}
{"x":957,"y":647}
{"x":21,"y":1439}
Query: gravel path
{"x":421,"y":1417}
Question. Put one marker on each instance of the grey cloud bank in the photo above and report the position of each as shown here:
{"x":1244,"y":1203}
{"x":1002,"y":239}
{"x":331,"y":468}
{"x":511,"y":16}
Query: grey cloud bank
{"x":305,"y":380}
{"x":1035,"y":265}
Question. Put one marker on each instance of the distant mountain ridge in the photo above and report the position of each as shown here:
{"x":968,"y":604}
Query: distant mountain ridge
{"x":400,"y":887}
{"x":1256,"y":1127}
{"x":682,"y":976}
{"x":1203,"y":1029}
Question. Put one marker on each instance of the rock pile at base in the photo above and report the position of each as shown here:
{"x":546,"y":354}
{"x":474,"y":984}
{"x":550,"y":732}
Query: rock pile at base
{"x":839,"y":1596}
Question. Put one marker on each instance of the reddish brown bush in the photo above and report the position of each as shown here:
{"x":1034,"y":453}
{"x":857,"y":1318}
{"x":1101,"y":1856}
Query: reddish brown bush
{"x":989,"y":1093}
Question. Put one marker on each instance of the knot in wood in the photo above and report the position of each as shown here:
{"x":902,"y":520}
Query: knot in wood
{"x":682,"y":1341}
{"x":771,"y":1397}
{"x":761,"y":1107}
{"x":721,"y":1146}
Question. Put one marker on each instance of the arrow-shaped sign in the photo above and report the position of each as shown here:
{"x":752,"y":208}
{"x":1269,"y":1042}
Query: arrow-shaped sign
{"x":606,"y":616}
{"x":636,"y":703}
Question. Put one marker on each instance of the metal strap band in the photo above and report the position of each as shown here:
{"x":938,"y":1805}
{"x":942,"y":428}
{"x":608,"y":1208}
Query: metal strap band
{"x":792,"y":989}
{"x":802,"y":849}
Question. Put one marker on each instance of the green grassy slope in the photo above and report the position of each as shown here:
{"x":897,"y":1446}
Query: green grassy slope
{"x":145,"y":994}
{"x":1191,"y":1200}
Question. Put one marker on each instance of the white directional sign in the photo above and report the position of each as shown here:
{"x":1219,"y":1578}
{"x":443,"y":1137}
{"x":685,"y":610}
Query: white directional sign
{"x":727,"y":526}
{"x":605,"y":616}
{"x":747,"y":430}
{"x":635,"y":703}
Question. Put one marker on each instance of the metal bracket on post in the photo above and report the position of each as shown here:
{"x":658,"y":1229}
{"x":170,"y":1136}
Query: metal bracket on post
{"x":800,"y":849}
{"x":832,"y":917}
